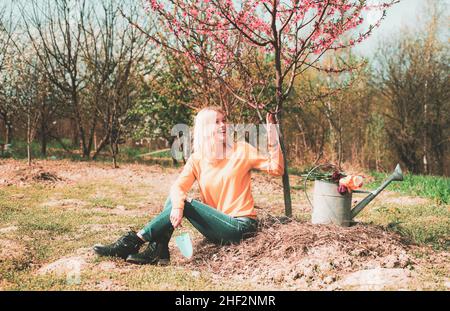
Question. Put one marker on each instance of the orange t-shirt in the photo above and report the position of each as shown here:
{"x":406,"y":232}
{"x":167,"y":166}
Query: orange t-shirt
{"x":226,"y":184}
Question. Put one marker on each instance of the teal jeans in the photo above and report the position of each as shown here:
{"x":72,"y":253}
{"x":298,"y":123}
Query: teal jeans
{"x":216,"y":226}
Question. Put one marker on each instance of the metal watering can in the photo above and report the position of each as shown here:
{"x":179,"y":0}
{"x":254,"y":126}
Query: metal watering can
{"x":332,"y":207}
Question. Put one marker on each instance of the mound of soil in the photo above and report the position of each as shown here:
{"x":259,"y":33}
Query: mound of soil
{"x":303,"y":255}
{"x":43,"y":176}
{"x":21,"y":174}
{"x":13,"y":172}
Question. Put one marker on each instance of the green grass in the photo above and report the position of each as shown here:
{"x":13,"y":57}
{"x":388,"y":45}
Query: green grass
{"x":162,"y":154}
{"x":422,"y":224}
{"x":18,"y":149}
{"x":127,"y":154}
{"x":433,"y":187}
{"x":140,"y":278}
{"x":436,"y":188}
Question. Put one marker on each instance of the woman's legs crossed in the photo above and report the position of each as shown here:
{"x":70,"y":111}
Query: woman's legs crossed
{"x":217,"y":226}
{"x":213,"y":224}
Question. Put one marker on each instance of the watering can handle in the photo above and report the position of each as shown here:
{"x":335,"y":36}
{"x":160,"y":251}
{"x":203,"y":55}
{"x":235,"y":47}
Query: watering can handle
{"x":361,"y":191}
{"x":309,"y":173}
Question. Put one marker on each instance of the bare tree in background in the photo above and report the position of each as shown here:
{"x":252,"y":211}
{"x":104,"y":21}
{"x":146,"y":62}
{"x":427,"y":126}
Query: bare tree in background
{"x":6,"y":29}
{"x":113,"y":52}
{"x":92,"y":56}
{"x":31,"y":93}
{"x":54,"y":30}
{"x":413,"y":78}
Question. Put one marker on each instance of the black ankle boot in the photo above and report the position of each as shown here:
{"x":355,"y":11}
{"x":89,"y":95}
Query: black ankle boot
{"x":155,"y":253}
{"x":126,"y":245}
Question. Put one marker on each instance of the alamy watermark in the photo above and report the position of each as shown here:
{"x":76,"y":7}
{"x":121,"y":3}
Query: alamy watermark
{"x":264,"y":137}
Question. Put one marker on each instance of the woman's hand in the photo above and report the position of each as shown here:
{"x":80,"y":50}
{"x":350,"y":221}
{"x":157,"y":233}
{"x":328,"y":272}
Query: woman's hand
{"x":271,"y":131}
{"x":176,"y":215}
{"x":270,"y":118}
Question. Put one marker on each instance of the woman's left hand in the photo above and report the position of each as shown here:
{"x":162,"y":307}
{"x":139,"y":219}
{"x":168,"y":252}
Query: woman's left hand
{"x":270,"y":118}
{"x":271,"y":131}
{"x":176,"y":215}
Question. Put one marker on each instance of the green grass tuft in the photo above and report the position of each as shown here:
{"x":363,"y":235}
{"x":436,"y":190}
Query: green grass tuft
{"x":433,"y":187}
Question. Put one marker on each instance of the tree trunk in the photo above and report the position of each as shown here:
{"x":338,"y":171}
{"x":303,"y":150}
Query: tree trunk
{"x":84,"y":149}
{"x":114,"y":151}
{"x":92,"y":138}
{"x":279,"y":102}
{"x":102,"y":145}
{"x":74,"y":127}
{"x":81,"y":133}
{"x":114,"y":156}
{"x":8,"y":132}
{"x":44,"y":145}
{"x":95,"y":140}
{"x":285,"y":178}
{"x":43,"y":140}
{"x":29,"y":152}
{"x":29,"y":138}
{"x":340,"y":149}
{"x":425,"y":133}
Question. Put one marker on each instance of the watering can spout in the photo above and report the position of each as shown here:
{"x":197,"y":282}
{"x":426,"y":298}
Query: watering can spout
{"x":397,"y":175}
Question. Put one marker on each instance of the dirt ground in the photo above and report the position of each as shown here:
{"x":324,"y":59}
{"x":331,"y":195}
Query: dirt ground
{"x":285,"y":254}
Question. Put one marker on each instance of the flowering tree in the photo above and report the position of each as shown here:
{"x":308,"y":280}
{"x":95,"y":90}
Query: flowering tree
{"x":222,"y":36}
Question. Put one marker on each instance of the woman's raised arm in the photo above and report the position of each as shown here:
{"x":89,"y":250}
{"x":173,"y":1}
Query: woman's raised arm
{"x":274,"y":162}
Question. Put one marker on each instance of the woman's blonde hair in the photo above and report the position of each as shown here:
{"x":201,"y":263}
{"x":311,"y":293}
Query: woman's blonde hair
{"x":204,"y":132}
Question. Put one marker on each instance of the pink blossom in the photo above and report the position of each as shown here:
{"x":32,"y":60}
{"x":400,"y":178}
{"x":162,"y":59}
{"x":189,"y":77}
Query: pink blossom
{"x":223,"y":23}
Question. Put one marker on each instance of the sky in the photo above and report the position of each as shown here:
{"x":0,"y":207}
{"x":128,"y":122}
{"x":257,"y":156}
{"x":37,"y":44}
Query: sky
{"x":400,"y":15}
{"x":403,"y":14}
